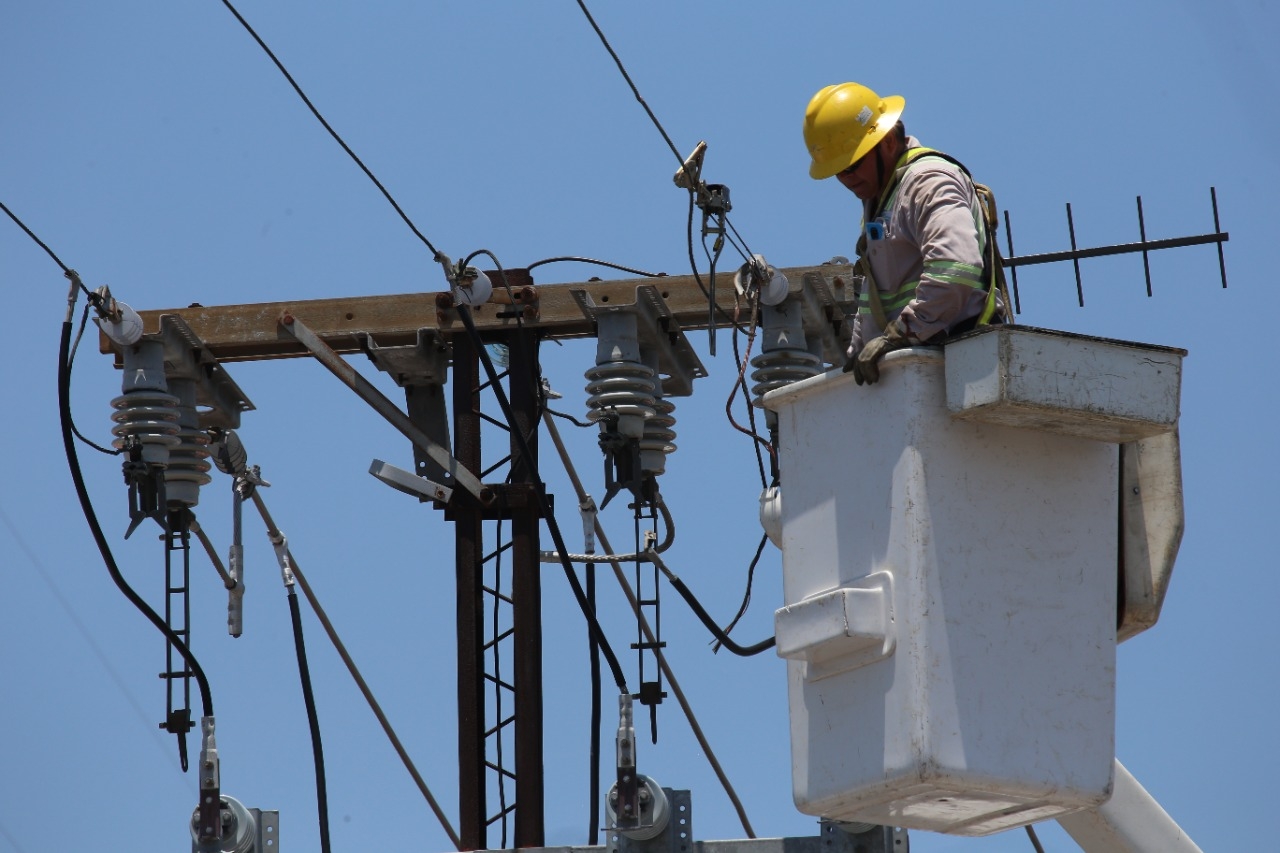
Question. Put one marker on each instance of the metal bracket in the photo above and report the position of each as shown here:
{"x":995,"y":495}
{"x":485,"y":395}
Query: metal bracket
{"x":411,"y":484}
{"x":352,"y":379}
{"x":832,"y":838}
{"x":424,"y":363}
{"x":677,"y":837}
{"x":825,"y":317}
{"x":659,"y":331}
{"x":219,"y":401}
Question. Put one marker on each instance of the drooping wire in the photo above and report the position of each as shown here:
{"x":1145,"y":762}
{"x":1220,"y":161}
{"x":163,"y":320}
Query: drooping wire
{"x":751,"y":410}
{"x":313,"y":721}
{"x":386,"y":194}
{"x":110,"y":451}
{"x":746,"y":597}
{"x":725,"y":640}
{"x":579,"y":260}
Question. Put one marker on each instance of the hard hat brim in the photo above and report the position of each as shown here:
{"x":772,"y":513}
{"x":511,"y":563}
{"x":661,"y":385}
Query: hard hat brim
{"x":893,"y":106}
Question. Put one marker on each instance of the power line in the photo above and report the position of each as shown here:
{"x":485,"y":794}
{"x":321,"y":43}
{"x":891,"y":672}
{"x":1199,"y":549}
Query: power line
{"x":329,"y":127}
{"x":635,"y":91}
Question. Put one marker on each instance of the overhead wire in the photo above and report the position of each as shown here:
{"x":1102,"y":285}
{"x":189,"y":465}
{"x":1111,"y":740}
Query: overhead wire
{"x":65,"y":269}
{"x":352,"y":154}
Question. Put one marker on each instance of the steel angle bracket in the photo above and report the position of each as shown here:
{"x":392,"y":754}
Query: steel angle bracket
{"x":382,"y":405}
{"x":421,"y":369}
{"x":826,"y":298}
{"x":657,"y":329}
{"x":219,"y":400}
{"x":423,"y":363}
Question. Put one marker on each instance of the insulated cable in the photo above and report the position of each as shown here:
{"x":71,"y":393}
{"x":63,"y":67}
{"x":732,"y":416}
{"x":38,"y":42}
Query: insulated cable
{"x":386,"y":194}
{"x":313,"y":721}
{"x":746,"y":597}
{"x":579,"y":260}
{"x":702,"y":614}
{"x":75,"y":346}
{"x":674,"y":683}
{"x":338,"y":645}
{"x":751,"y":411}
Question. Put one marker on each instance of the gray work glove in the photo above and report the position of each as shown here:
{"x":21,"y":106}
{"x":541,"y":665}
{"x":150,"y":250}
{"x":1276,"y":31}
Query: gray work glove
{"x":866,"y":364}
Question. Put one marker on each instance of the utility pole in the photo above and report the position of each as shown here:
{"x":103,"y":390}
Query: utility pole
{"x":420,"y":341}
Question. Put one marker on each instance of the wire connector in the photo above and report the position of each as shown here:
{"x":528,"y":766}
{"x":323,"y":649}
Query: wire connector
{"x":281,"y":545}
{"x":627,"y":792}
{"x":208,"y":812}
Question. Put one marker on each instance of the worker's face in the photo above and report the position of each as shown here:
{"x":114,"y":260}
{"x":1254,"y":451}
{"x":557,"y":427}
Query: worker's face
{"x":863,"y":178}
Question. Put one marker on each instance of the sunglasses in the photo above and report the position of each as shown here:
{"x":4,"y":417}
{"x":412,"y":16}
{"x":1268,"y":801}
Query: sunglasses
{"x":853,"y":168}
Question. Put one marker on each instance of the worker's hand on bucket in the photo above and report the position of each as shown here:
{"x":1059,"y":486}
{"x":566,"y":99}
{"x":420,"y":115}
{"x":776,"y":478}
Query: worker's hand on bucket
{"x":866,"y":365}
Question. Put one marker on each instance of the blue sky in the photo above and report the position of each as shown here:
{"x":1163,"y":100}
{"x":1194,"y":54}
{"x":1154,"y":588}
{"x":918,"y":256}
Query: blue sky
{"x":155,"y":149}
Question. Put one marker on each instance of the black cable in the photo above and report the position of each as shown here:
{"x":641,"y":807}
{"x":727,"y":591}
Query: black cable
{"x":329,"y":128}
{"x":84,"y":319}
{"x":579,"y":260}
{"x":70,"y":273}
{"x":751,"y":412}
{"x":317,"y":748}
{"x":569,"y":418}
{"x":702,"y":614}
{"x":544,"y":505}
{"x":744,"y":249}
{"x":627,"y":77}
{"x":593,"y":821}
{"x":746,"y":598}
{"x":1035,"y":839}
{"x":91,"y":518}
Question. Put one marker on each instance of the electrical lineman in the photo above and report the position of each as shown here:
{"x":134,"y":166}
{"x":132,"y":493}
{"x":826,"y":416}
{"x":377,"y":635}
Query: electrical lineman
{"x":926,"y":247}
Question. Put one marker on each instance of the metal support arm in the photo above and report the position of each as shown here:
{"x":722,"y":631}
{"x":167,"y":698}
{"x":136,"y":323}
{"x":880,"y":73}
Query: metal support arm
{"x":380,"y":403}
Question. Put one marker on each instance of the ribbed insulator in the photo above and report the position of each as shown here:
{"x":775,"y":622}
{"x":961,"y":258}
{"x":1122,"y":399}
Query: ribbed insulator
{"x":152,"y":417}
{"x":779,"y":367}
{"x":624,"y":388}
{"x":659,"y":437}
{"x":188,"y":462}
{"x":188,"y":467}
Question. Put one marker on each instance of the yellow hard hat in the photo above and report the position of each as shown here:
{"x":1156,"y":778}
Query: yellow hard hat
{"x":843,"y":122}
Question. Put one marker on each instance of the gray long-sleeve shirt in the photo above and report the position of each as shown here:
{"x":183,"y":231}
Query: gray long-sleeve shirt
{"x":926,"y":252}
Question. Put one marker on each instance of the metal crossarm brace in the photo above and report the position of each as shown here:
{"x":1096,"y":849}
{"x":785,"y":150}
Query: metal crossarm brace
{"x":381,"y":404}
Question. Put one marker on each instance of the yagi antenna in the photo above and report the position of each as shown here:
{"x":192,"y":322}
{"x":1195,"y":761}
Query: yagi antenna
{"x":1144,"y":246}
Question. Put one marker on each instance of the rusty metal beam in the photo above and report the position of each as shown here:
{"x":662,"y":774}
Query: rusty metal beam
{"x":252,"y":331}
